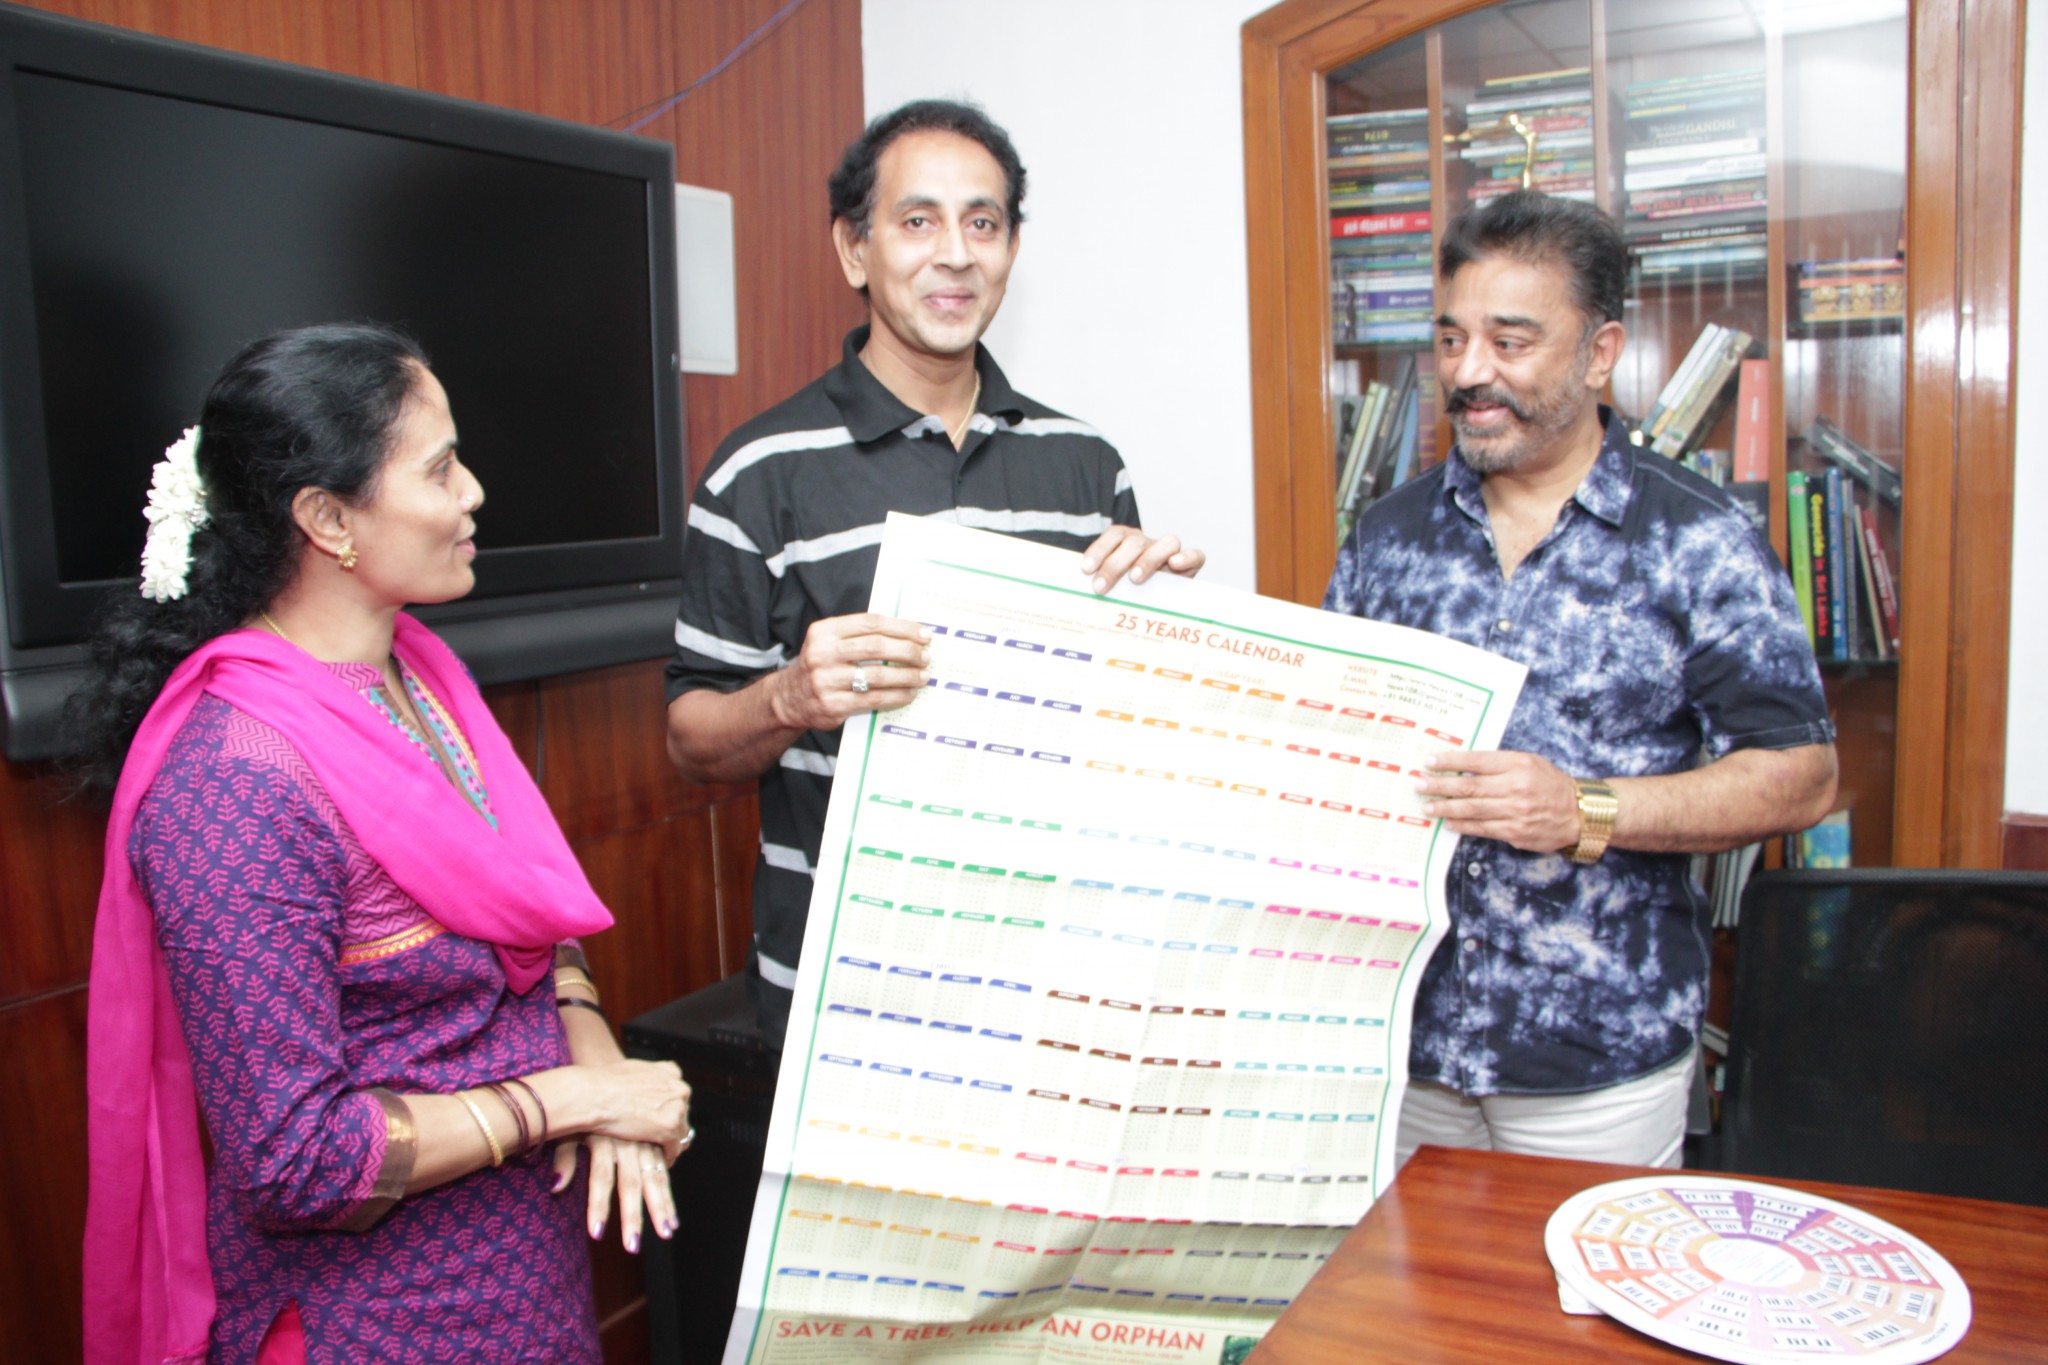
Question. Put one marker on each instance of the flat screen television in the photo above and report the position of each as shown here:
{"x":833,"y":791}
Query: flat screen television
{"x":162,"y":204}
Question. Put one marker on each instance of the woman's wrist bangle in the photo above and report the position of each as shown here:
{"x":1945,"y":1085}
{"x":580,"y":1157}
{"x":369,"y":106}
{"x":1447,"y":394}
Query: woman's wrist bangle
{"x":490,"y":1138}
{"x":539,"y":1108}
{"x":518,"y":1112}
{"x":569,"y":977}
{"x":577,"y":1002}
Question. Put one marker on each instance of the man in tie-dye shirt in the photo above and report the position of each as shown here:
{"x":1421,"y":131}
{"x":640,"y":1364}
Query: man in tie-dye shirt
{"x":1672,"y":707}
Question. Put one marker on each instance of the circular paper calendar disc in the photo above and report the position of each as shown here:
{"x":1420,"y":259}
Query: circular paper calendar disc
{"x":1756,"y":1273}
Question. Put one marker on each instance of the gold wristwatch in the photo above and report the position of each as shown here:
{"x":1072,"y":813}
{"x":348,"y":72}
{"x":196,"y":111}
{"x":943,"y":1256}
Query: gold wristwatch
{"x":1598,"y":806}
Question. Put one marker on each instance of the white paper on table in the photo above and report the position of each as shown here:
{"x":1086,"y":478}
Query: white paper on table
{"x":1102,"y":1020}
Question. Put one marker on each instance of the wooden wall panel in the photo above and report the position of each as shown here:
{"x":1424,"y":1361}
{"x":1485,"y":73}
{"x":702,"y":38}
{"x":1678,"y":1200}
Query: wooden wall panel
{"x":42,"y":1145}
{"x":368,"y":38}
{"x":649,"y":877}
{"x":657,"y":879}
{"x":605,"y":766}
{"x":49,"y":882}
{"x":675,"y":862}
{"x":589,"y":62}
{"x":736,"y":827}
{"x":750,"y":134}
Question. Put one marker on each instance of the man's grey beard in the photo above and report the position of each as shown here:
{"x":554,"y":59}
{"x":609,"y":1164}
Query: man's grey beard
{"x":1539,"y":419}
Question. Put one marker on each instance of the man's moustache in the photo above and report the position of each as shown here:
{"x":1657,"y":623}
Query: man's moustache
{"x":1462,"y":399}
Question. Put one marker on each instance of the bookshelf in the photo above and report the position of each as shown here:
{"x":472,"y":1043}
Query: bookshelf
{"x":1792,"y":191}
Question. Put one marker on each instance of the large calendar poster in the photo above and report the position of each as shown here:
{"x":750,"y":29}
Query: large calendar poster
{"x":1102,"y":1018}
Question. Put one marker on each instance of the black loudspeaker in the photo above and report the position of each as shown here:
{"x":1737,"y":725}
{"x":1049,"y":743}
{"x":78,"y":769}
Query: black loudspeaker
{"x":693,"y":1280}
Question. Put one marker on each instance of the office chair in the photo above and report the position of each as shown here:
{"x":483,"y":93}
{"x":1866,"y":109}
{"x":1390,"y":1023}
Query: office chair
{"x":1888,"y":1029}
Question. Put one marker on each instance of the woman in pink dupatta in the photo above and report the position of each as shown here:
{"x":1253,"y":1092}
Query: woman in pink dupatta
{"x":338,"y":920}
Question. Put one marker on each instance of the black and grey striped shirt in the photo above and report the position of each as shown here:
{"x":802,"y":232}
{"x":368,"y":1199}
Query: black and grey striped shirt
{"x":785,"y":530}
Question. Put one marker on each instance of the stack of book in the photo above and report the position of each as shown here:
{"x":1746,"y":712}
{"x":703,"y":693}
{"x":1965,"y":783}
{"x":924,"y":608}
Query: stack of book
{"x":1380,"y":280}
{"x":1555,"y":106}
{"x":1840,"y":570}
{"x":1685,"y":409}
{"x":1695,"y":161}
{"x":1871,"y":290}
{"x":1379,"y":440}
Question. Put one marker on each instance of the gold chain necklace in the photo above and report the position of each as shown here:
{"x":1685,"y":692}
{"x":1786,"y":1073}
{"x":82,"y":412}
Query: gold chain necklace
{"x":279,"y":630}
{"x":954,"y":434}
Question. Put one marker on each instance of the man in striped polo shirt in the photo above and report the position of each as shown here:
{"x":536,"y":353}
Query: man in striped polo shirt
{"x":775,"y":648}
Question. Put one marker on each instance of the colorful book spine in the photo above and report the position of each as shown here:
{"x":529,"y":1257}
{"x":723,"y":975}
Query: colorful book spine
{"x":1751,"y":101}
{"x":1799,"y":551}
{"x":1873,"y":611}
{"x":1421,"y":329}
{"x":1705,"y":258}
{"x":1378,"y":224}
{"x":1841,"y":566}
{"x":1689,"y":127}
{"x":1665,"y":235}
{"x":1691,"y":151}
{"x":1365,"y":160}
{"x":1694,"y":173}
{"x":1822,"y":557}
{"x":1652,"y":200}
{"x":1753,"y":422}
{"x":1881,"y":572}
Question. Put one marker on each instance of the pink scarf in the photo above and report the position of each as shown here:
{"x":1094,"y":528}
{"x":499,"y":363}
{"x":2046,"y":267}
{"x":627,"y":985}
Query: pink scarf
{"x":148,"y":1288}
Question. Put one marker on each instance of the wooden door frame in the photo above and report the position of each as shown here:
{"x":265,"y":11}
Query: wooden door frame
{"x":1962,"y":250}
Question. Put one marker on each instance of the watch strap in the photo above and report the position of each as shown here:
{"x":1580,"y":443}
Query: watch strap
{"x":1598,"y":807}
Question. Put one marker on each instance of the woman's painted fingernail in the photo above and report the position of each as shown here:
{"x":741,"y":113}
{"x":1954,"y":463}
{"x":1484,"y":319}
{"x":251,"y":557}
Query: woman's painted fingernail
{"x":597,"y":1230}
{"x":633,"y":1242}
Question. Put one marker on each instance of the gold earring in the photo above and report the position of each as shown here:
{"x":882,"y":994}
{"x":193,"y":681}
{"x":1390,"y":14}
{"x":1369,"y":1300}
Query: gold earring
{"x":347,"y":557}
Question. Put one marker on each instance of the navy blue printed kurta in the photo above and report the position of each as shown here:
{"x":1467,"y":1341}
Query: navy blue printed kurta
{"x":1658,"y":630}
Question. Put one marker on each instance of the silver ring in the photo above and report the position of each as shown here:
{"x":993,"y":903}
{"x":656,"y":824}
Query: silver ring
{"x":652,"y":1166}
{"x":860,"y":679}
{"x":689,"y":1137}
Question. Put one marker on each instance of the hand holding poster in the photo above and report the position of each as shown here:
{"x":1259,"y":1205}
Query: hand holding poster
{"x":1102,"y":1022}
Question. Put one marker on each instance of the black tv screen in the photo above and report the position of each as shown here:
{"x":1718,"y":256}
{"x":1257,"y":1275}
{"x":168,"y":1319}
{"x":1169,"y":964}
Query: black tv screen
{"x":162,"y":204}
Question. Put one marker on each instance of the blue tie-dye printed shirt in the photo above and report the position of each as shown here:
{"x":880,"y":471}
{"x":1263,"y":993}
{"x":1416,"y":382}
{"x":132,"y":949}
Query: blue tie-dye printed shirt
{"x":1655,"y":624}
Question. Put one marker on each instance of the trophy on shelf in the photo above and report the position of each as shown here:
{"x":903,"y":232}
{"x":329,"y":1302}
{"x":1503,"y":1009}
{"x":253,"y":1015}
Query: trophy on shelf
{"x":1512,"y":123}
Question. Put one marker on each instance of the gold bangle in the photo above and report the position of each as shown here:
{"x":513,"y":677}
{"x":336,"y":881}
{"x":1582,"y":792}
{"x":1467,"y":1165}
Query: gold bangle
{"x":1598,"y":807}
{"x":476,"y":1112}
{"x":576,"y":978}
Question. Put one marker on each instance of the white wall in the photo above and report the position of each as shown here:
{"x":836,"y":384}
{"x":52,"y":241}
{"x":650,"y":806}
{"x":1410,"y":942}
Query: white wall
{"x":2026,"y":711}
{"x":1127,"y":308}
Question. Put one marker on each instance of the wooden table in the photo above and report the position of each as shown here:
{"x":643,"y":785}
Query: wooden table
{"x":1449,"y":1267}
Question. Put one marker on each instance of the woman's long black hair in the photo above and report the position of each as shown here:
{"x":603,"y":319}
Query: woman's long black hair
{"x":315,"y":407}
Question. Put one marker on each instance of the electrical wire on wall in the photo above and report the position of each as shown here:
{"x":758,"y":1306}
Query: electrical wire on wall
{"x":648,"y":113}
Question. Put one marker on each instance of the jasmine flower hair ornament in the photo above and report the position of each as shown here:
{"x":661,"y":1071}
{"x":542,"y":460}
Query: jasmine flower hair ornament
{"x":177,"y":508}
